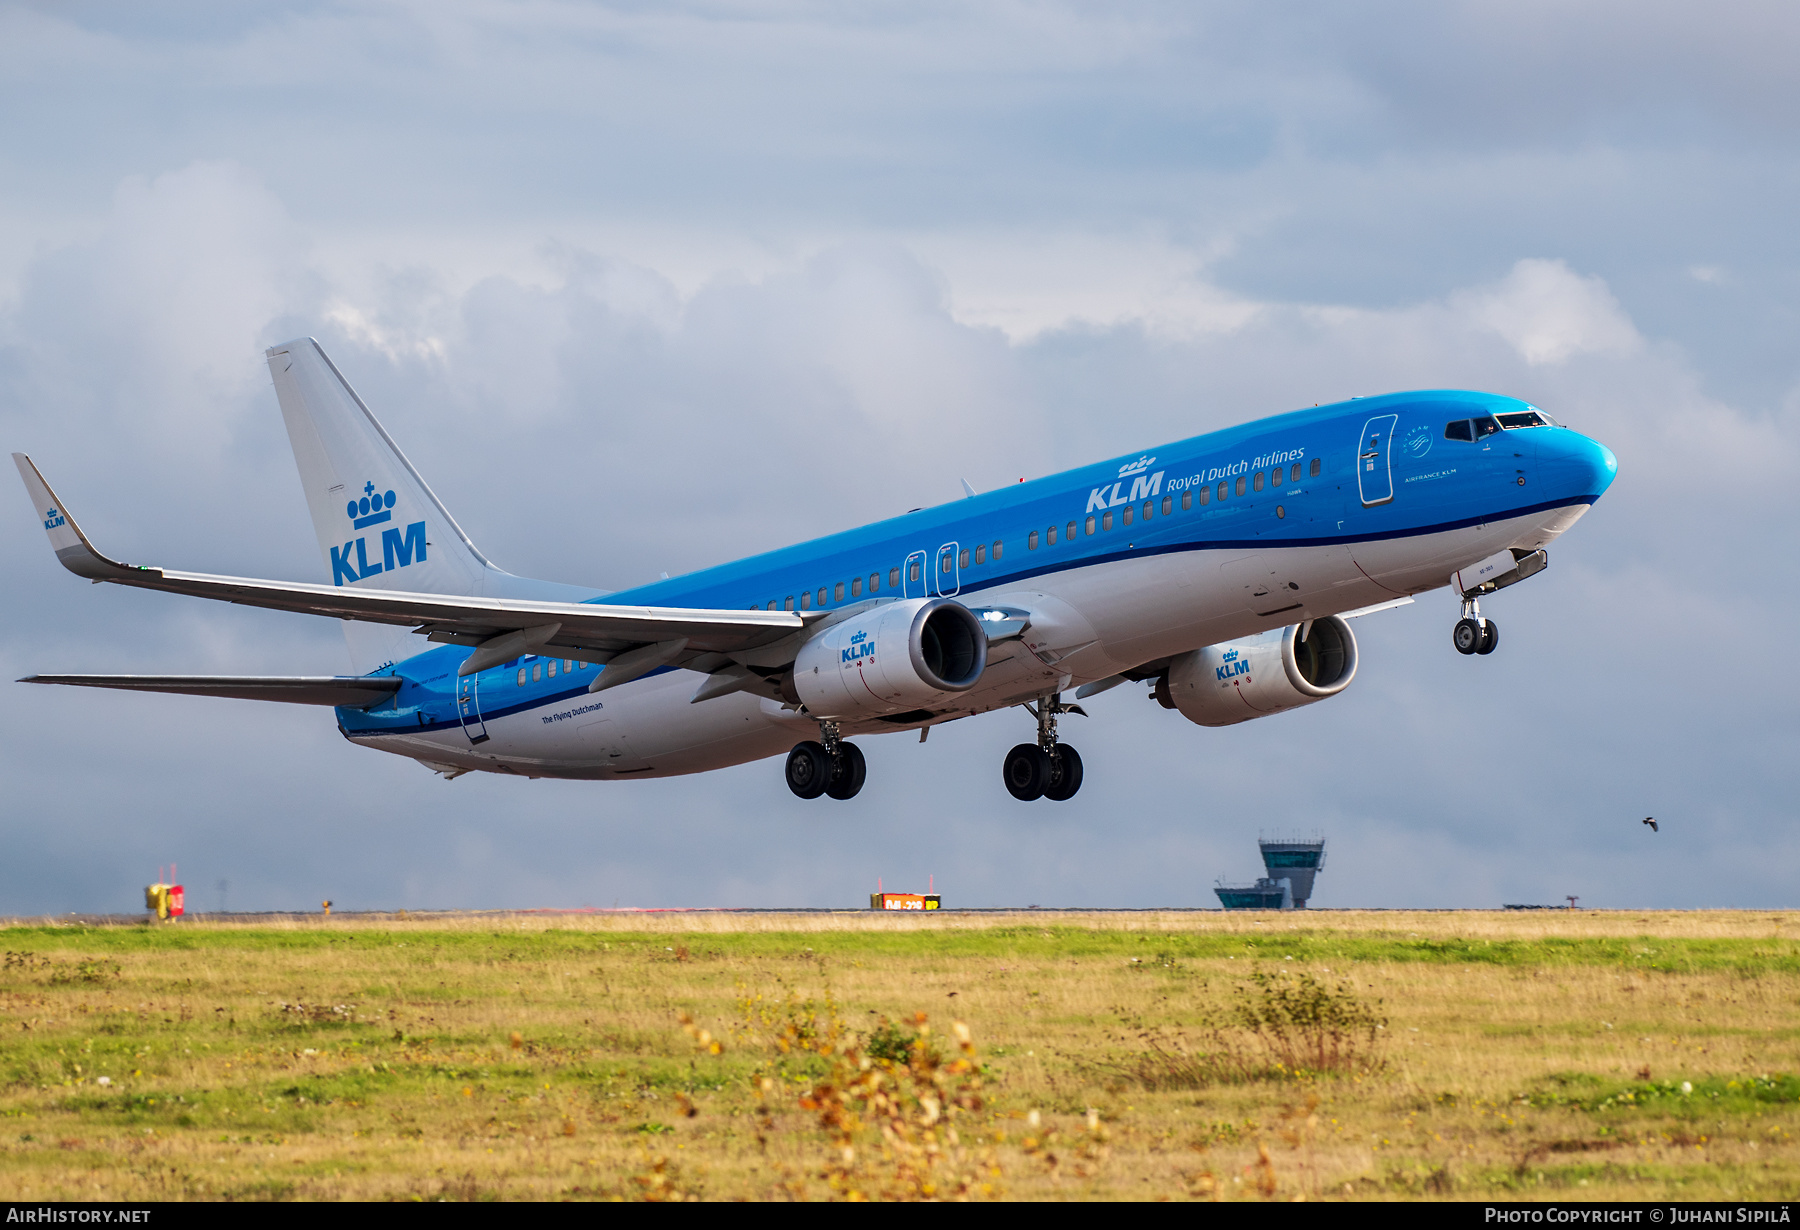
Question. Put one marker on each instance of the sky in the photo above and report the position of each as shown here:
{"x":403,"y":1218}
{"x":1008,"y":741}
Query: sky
{"x":645,"y":288}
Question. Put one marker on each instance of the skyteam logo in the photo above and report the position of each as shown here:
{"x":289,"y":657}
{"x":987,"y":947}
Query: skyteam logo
{"x":859,"y":649}
{"x":1102,"y":498}
{"x":398,"y":550}
{"x":53,"y":519}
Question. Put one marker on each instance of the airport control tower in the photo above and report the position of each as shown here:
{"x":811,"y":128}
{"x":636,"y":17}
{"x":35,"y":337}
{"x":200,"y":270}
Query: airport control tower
{"x":1291,"y":865}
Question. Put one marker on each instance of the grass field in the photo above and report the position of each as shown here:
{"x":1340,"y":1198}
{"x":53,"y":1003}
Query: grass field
{"x":1520,"y":1056}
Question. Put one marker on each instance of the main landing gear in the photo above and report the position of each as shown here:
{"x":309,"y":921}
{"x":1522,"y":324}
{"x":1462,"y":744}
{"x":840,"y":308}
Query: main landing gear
{"x":1472,"y":633}
{"x":1045,"y":769}
{"x":831,"y":767}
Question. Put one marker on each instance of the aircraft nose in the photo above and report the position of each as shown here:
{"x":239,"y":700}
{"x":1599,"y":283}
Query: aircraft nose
{"x":1587,"y":466}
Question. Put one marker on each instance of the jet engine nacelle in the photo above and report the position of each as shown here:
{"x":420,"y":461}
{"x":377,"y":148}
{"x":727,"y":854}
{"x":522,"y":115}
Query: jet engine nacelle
{"x":1225,"y":684}
{"x":889,"y":659}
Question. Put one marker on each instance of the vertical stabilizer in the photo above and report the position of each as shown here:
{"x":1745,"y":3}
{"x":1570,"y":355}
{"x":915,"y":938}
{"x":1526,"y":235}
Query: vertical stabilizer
{"x":379,"y":524}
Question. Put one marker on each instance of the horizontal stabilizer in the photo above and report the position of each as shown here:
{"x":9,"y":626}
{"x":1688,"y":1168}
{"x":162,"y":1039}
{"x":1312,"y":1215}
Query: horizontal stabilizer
{"x":358,"y":692}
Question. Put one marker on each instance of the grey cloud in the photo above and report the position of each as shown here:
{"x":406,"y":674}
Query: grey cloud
{"x":594,"y":414}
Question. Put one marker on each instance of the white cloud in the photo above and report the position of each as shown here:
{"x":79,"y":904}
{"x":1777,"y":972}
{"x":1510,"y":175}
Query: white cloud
{"x":1550,"y":314}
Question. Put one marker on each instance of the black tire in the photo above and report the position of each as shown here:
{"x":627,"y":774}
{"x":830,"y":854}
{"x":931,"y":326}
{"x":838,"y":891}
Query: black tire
{"x":1490,"y":637}
{"x":848,"y":769}
{"x":808,"y":769}
{"x":1065,"y":774}
{"x":1026,"y":771}
{"x":1466,"y":636}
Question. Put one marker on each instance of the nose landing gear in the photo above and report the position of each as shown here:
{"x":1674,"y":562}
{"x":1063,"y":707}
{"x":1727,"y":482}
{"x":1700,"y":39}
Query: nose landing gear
{"x":1474,"y":634}
{"x":1045,"y":769}
{"x":831,"y":767}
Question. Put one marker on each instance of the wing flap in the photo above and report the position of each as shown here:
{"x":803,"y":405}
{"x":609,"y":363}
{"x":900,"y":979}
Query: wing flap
{"x":584,"y":625}
{"x":357,"y":692}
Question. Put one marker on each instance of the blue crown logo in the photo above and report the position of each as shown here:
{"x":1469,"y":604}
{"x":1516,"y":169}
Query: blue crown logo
{"x":372,"y":509}
{"x":52,"y":519}
{"x":1136,"y":467}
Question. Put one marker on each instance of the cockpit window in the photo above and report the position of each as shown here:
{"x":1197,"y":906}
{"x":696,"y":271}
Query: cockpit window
{"x":1523,"y":418}
{"x":1459,"y":430}
{"x":1485,"y":428}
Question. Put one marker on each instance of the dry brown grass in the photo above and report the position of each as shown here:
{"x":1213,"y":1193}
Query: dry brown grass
{"x":542,"y":1056}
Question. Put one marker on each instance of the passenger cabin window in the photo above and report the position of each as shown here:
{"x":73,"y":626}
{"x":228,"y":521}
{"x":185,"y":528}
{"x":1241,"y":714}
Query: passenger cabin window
{"x":1106,"y":520}
{"x":1317,"y":465}
{"x":1089,"y":525}
{"x":823,"y":590}
{"x":962,"y":558}
{"x":1240,"y":484}
{"x":521,"y":676}
{"x":837,"y":592}
{"x":856,"y":587}
{"x":1258,"y":484}
{"x":568,"y":665}
{"x":981,"y":555}
{"x":788,"y":604}
{"x":1050,"y":536}
{"x":912,"y":572}
{"x":1459,"y":430}
{"x":1168,"y":504}
{"x":1187,"y":499}
{"x":806,"y":601}
{"x":1224,"y":489}
{"x":1295,"y":476}
{"x":1031,"y":540}
{"x":774,"y":603}
{"x":1071,"y":534}
{"x":1148,"y":509}
{"x":537,"y":672}
{"x":997,"y":550}
{"x":1275,"y":477}
{"x":552,"y":668}
{"x":1126,"y":514}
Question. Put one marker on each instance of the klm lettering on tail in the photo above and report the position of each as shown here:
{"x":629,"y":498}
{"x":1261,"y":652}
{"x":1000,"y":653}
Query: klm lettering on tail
{"x":397,"y":549}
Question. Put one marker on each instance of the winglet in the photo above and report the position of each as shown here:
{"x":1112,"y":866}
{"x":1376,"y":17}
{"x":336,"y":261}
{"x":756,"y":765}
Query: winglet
{"x":66,"y":539}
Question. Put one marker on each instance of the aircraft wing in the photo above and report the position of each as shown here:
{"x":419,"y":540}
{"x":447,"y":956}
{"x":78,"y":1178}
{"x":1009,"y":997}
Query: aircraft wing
{"x":597,"y":631}
{"x":359,"y":693}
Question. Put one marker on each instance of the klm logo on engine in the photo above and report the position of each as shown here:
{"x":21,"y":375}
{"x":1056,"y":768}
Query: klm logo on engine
{"x":351,"y":562}
{"x":1234,"y":666}
{"x":860,"y":647}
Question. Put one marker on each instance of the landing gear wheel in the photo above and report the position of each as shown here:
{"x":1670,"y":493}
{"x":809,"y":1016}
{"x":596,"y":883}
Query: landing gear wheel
{"x":1466,"y":636}
{"x":808,"y":769}
{"x":1490,"y":637}
{"x":1027,"y":771}
{"x":848,"y":769}
{"x":1065,"y":774}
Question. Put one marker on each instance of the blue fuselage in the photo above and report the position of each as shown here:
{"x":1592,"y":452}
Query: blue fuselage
{"x":1372,"y":470}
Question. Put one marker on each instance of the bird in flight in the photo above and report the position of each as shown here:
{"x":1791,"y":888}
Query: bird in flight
{"x":1651,"y":821}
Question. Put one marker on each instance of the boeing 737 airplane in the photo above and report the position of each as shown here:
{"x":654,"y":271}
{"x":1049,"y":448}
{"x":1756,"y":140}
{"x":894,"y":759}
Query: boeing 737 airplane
{"x":1221,"y":570}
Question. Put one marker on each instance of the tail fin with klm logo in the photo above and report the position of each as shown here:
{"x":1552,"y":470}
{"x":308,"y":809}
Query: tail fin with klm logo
{"x":379,"y":525}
